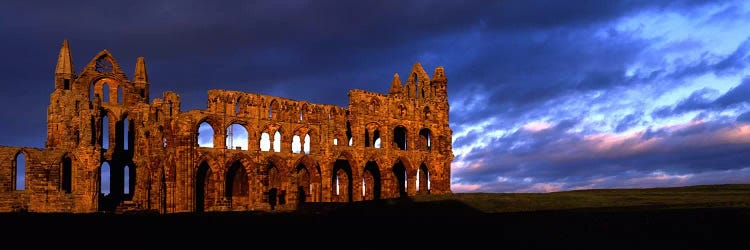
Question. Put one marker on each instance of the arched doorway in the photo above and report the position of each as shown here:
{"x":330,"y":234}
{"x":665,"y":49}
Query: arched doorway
{"x":371,"y":181}
{"x":237,"y":188}
{"x":274,"y":193}
{"x":423,"y":179}
{"x":399,"y":177}
{"x":202,"y":177}
{"x":304,"y":184}
{"x":341,"y":181}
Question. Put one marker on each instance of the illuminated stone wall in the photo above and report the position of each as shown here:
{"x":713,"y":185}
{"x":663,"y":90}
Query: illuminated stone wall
{"x":267,"y":152}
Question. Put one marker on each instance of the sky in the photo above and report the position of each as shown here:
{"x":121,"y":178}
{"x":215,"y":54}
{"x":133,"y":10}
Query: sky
{"x":544,"y":95}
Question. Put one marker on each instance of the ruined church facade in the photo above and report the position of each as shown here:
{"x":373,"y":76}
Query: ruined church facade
{"x":109,"y":149}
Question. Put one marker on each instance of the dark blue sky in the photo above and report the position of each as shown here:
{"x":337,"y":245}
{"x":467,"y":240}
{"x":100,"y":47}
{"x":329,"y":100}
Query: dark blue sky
{"x":544,"y":95}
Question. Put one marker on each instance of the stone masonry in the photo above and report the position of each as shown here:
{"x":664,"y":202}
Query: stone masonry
{"x":103,"y":132}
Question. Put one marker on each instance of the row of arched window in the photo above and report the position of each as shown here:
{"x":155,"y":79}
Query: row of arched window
{"x":104,"y":93}
{"x":237,"y":138}
{"x":105,"y":179}
{"x":123,"y":137}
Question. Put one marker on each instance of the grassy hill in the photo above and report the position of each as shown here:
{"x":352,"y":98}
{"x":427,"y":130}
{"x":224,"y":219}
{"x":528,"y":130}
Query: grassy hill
{"x":705,"y":196}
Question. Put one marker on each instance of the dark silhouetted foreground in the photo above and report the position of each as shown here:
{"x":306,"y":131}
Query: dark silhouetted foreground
{"x":408,"y":224}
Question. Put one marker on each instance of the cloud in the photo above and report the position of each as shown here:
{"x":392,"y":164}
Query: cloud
{"x":576,"y":160}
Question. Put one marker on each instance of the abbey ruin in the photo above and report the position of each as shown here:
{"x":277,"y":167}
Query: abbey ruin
{"x":109,"y":149}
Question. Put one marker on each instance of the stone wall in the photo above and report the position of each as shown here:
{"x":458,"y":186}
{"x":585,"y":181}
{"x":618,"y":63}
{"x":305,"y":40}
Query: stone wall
{"x":102,"y":132}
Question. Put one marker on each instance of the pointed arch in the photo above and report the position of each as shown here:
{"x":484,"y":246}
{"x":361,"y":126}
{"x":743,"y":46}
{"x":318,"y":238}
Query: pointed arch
{"x":296,"y":144}
{"x":66,"y":174}
{"x":399,"y":179}
{"x":20,"y":168}
{"x":237,"y":188}
{"x":237,"y":137}
{"x":341,"y":181}
{"x":277,"y":141}
{"x":272,"y":177}
{"x":125,"y":133}
{"x":203,"y":187}
{"x":371,"y":181}
{"x":400,"y":137}
{"x":307,"y":179}
{"x":104,"y":178}
{"x":425,"y":139}
{"x":273,"y":109}
{"x":374,"y":105}
{"x":303,"y":111}
{"x":423,"y":179}
{"x":205,"y":135}
{"x":105,"y":92}
{"x":306,"y":144}
{"x":265,"y":142}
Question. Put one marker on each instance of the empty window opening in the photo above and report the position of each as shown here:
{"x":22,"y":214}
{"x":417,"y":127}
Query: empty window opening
{"x":205,"y":135}
{"x":265,"y":142}
{"x":424,"y":139}
{"x":163,"y":142}
{"x":104,"y":178}
{"x":277,"y":142}
{"x":349,"y":133}
{"x":169,"y":104}
{"x":237,"y":137}
{"x":335,"y":141}
{"x":427,"y":114}
{"x":20,"y":168}
{"x":126,"y":180}
{"x":156,"y":114}
{"x":105,"y":93}
{"x":296,"y":144}
{"x":119,"y":94}
{"x":105,"y":132}
{"x":376,"y":139}
{"x":399,"y":137}
{"x":66,"y":84}
{"x":77,"y":108}
{"x":300,"y":116}
{"x":306,"y":145}
{"x":66,"y":178}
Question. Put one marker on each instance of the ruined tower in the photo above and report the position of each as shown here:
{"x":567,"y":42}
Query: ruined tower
{"x":109,"y":149}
